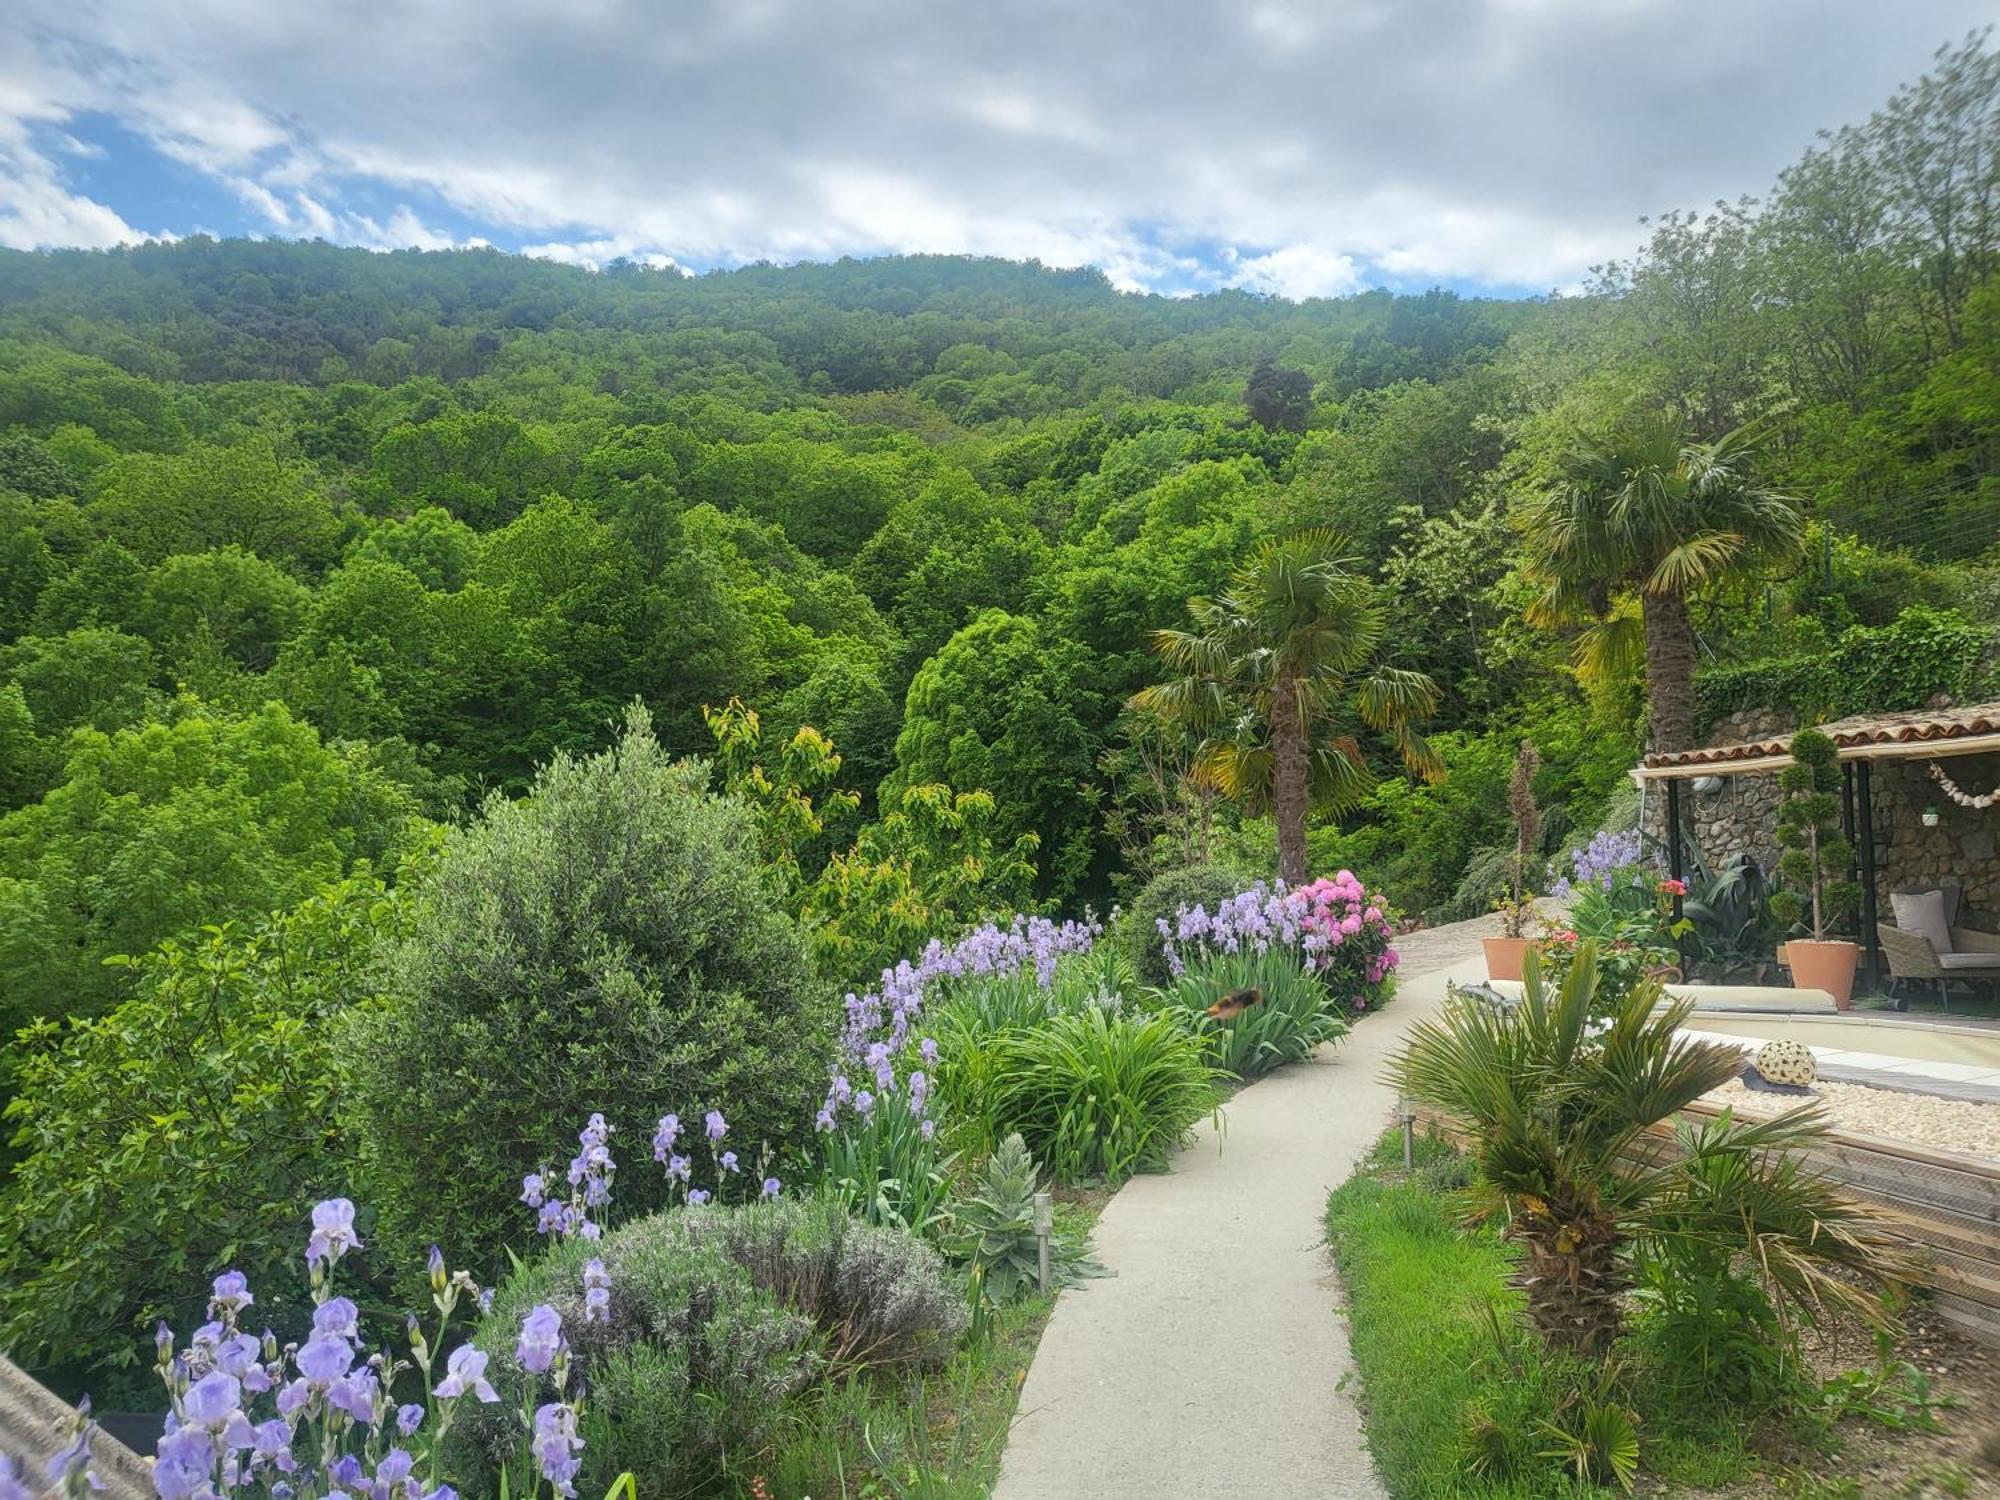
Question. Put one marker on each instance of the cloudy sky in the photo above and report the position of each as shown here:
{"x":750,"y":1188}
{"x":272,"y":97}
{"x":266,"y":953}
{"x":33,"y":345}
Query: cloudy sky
{"x":1304,"y":147}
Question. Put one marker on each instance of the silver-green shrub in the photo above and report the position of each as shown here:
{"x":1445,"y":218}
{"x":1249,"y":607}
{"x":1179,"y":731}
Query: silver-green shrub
{"x":603,"y":944}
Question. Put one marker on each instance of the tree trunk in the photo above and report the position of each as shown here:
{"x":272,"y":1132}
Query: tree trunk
{"x":1670,"y":671}
{"x":1573,"y":1276}
{"x":1291,"y":780}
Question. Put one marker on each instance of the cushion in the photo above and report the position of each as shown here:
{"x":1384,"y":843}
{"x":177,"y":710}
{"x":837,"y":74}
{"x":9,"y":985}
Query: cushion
{"x":1922,"y":912}
{"x":1979,"y":962}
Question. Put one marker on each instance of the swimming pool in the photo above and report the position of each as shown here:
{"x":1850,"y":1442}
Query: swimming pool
{"x":1918,"y":1041}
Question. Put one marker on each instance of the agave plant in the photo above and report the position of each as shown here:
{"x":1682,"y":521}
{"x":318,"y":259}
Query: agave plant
{"x":1558,"y":1102}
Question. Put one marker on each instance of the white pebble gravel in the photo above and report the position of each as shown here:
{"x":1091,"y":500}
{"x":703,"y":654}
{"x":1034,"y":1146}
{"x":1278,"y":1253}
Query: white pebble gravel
{"x":1947,"y":1124}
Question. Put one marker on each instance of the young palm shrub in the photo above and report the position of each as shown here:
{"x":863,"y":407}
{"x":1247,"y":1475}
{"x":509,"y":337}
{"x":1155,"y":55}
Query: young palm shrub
{"x":1295,"y":1016}
{"x":1555,"y":1101}
{"x":1098,"y":1095}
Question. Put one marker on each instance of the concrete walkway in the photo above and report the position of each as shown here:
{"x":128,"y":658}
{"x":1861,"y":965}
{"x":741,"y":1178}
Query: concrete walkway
{"x":1210,"y":1365}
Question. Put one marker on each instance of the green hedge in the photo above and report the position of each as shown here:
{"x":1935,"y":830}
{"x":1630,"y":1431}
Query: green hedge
{"x":1885,"y":669}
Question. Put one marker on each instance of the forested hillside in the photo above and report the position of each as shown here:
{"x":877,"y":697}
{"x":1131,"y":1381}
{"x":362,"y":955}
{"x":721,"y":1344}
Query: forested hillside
{"x":306,"y":548}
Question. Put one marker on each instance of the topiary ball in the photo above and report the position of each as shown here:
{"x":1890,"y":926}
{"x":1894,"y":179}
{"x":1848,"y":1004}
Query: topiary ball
{"x":1787,"y":1062}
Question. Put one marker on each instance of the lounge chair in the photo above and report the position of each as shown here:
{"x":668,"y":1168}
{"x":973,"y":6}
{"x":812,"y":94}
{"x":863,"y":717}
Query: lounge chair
{"x":1926,"y":942}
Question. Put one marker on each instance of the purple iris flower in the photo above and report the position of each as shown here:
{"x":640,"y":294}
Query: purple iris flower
{"x":728,"y":1161}
{"x":392,"y":1474}
{"x":596,"y":1292}
{"x":771,"y":1188}
{"x":533,"y":1189}
{"x":465,"y":1371}
{"x":698,"y":1196}
{"x":337,"y":1317}
{"x":325,"y":1358}
{"x":664,"y":1137}
{"x":408,"y":1419}
{"x":556,"y":1445}
{"x":232,"y":1292}
{"x":183,"y":1464}
{"x":212,"y":1400}
{"x":716,"y":1126}
{"x":355,"y":1395}
{"x":541,"y":1338}
{"x":271,"y":1443}
{"x":333,"y":1232}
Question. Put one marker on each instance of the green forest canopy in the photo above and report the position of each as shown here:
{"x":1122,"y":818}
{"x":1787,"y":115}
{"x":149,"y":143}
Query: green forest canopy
{"x":302,"y":545}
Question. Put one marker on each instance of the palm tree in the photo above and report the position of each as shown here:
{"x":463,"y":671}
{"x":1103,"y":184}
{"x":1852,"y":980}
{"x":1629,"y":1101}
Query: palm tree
{"x":1653,"y":510}
{"x":1276,"y":676}
{"x":1555,"y":1106}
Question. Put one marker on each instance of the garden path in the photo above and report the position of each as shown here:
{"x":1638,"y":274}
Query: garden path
{"x":1213,"y":1364}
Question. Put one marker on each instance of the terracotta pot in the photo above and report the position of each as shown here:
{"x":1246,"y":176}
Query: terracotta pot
{"x":1504,"y":956}
{"x":1824,"y":966}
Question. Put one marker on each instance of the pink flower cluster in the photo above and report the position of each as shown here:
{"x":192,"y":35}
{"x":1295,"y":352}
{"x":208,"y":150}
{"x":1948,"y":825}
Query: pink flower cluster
{"x":1340,"y":913}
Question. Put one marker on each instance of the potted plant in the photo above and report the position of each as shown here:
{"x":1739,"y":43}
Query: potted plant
{"x":1813,"y":867}
{"x":1506,"y":954}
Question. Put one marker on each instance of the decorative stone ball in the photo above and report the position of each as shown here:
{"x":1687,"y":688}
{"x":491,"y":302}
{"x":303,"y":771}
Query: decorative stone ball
{"x":1787,"y":1062}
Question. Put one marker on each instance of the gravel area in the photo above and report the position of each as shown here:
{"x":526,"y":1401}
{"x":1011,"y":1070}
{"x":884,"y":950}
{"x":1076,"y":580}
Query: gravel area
{"x":1947,"y":1124}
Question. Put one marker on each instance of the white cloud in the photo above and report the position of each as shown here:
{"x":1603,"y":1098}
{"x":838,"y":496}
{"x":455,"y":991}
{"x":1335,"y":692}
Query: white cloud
{"x":403,"y":231}
{"x":1307,"y":146}
{"x":595,"y":255}
{"x":1298,"y":272}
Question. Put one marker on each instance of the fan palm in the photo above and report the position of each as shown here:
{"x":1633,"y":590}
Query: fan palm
{"x":1653,"y":510}
{"x":1556,"y":1104}
{"x":1277,"y":673}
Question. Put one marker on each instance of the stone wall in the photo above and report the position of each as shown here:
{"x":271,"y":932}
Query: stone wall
{"x":1741,"y":815}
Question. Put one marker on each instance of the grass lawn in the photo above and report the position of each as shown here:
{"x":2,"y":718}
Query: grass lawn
{"x":1422,"y":1302}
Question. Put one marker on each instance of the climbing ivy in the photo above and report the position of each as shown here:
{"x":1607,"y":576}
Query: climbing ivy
{"x":1885,"y":669}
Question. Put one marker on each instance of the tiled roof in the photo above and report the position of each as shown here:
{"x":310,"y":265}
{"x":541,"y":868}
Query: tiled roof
{"x":1854,"y":738}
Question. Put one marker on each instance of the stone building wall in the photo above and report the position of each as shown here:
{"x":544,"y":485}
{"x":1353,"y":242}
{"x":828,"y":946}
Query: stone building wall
{"x":1741,"y":815}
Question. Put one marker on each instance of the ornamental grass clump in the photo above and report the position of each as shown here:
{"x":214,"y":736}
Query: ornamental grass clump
{"x":1293,"y":1017}
{"x":1099,"y":1096}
